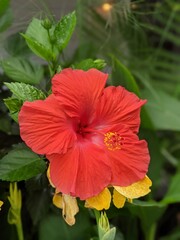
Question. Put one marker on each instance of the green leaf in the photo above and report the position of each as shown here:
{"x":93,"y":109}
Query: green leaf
{"x":20,"y":164}
{"x":4,"y":6}
{"x":90,"y":63}
{"x":163,"y":109}
{"x":38,"y":191}
{"x":14,"y":105}
{"x":5,"y":19}
{"x":21,"y":92}
{"x":173,"y":194}
{"x":39,"y":41}
{"x":110,"y":235}
{"x":64,"y":30}
{"x":122,"y":76}
{"x":16,"y":46}
{"x":21,"y":70}
{"x":54,"y":227}
{"x":148,"y":212}
{"x":25,"y":92}
{"x":39,"y":49}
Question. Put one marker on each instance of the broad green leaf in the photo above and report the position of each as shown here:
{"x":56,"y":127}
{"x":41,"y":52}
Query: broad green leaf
{"x":148,"y":212}
{"x":54,"y":227}
{"x":90,"y":63}
{"x":25,"y":92}
{"x":64,"y":30}
{"x":21,"y":70}
{"x":39,"y":41}
{"x":163,"y":109}
{"x":173,"y":194}
{"x":20,"y":164}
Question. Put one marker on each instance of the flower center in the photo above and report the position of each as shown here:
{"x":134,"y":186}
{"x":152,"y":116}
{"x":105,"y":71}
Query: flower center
{"x":81,"y":129}
{"x":113,"y":141}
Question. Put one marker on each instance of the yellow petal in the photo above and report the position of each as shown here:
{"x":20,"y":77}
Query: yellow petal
{"x":48,"y":176}
{"x":68,"y":205}
{"x":70,"y":208}
{"x":137,"y":189}
{"x":118,"y":199}
{"x":57,"y":200}
{"x":1,"y":203}
{"x":99,"y":202}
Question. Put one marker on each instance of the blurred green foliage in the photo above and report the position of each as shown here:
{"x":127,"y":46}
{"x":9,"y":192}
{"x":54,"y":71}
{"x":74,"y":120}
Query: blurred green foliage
{"x":140,"y":44}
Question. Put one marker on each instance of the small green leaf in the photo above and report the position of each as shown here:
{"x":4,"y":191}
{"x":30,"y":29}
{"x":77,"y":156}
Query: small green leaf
{"x":90,"y":63}
{"x":25,"y":92}
{"x":21,"y":164}
{"x":64,"y":30}
{"x":38,"y":49}
{"x":21,"y":92}
{"x":110,"y":235}
{"x":21,"y":70}
{"x":14,"y":105}
{"x":39,"y":41}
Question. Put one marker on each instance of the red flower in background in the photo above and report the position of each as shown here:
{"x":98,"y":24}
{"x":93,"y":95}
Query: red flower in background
{"x":87,"y":132}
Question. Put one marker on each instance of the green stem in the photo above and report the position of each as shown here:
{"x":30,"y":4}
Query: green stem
{"x":97,"y":215}
{"x":19,"y":230}
{"x":151,"y":233}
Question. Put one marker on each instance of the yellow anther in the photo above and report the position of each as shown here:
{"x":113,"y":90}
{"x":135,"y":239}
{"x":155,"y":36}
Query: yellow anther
{"x":113,"y":141}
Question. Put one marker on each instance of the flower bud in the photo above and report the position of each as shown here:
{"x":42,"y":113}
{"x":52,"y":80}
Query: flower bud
{"x":47,"y":24}
{"x":104,"y":230}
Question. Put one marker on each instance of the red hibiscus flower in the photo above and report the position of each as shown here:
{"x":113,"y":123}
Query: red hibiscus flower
{"x":87,"y":132}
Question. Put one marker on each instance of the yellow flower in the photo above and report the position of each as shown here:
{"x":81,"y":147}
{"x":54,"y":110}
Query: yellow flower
{"x":120,"y":195}
{"x":1,"y":203}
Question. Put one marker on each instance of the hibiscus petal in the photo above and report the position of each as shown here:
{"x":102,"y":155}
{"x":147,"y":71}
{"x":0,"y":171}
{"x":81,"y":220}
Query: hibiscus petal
{"x":118,"y":199}
{"x":136,"y":190}
{"x":68,"y":205}
{"x":83,"y":172}
{"x":117,"y":105}
{"x":45,"y":128}
{"x":99,"y":202}
{"x":79,"y":91}
{"x":129,"y":156}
